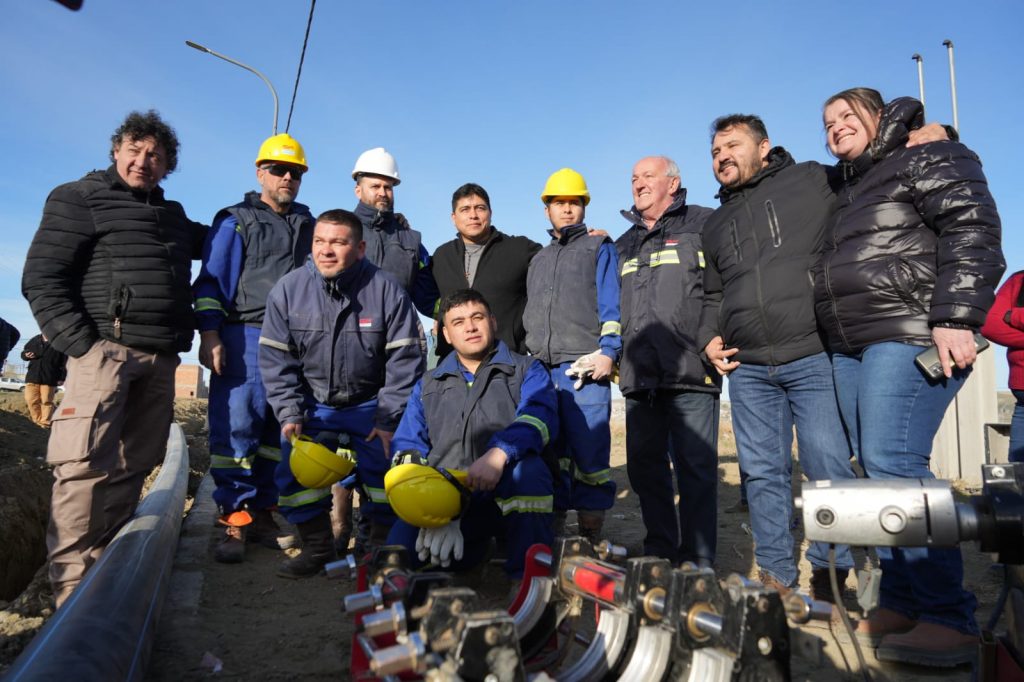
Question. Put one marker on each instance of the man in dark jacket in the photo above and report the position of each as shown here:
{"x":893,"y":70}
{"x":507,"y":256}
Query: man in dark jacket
{"x":671,"y":395}
{"x":46,"y":371}
{"x":252,"y":245}
{"x":493,"y":263}
{"x":759,"y":248}
{"x":107,"y":277}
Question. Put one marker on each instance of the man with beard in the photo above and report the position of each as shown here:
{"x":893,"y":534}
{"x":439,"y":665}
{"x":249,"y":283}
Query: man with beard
{"x":252,"y":245}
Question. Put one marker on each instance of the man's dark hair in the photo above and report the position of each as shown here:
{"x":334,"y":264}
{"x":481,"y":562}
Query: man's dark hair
{"x":461,"y":297}
{"x":138,"y":126}
{"x":752,"y":122}
{"x":340,"y":216}
{"x":470,"y":189}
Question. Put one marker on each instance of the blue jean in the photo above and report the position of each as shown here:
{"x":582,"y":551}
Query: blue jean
{"x":299,"y":504}
{"x":244,"y":435}
{"x":584,"y":443}
{"x":675,"y":431}
{"x":1017,"y":429}
{"x":518,"y":509}
{"x":892,"y":412}
{"x":767,"y":400}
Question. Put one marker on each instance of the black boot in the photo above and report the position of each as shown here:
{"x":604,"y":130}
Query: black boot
{"x":265,"y":531}
{"x":317,"y":549}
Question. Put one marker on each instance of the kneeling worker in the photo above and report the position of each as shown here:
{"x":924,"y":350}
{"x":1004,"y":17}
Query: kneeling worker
{"x":489,"y":412}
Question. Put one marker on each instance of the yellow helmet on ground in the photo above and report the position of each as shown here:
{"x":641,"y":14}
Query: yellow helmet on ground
{"x":316,"y":466}
{"x":424,"y":496}
{"x":565,"y":183}
{"x":282,"y":148}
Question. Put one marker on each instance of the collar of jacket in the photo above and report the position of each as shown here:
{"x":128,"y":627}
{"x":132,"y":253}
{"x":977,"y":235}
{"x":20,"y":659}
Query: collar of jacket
{"x":778,"y":158}
{"x":500,"y":359}
{"x":899,"y":117}
{"x":373,"y":219}
{"x":633,"y":215}
{"x":253,"y":200}
{"x":340,"y":282}
{"x":496,"y":236}
{"x":115,"y":181}
{"x":568,"y":233}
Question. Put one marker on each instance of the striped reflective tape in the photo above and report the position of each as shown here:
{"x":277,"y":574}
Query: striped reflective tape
{"x":526,"y":504}
{"x":537,"y":424}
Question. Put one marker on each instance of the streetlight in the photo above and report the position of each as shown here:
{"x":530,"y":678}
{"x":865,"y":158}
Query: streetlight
{"x":920,"y":75}
{"x":952,"y":82}
{"x":244,"y":66}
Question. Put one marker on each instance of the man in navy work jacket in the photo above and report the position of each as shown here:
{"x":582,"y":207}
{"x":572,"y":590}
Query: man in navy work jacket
{"x":340,"y":350}
{"x":488,"y":411}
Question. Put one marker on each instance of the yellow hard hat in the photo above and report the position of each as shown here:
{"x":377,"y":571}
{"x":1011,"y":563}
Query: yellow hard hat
{"x":315,"y":466}
{"x":422,"y":496}
{"x":282,"y":148}
{"x":565,"y":183}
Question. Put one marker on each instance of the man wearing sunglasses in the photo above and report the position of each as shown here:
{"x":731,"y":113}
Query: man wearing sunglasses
{"x":252,"y":245}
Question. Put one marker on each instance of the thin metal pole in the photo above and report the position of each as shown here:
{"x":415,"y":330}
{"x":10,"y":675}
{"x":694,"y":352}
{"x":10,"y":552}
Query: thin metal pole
{"x":952,"y":82}
{"x":244,"y":66}
{"x":920,"y":76}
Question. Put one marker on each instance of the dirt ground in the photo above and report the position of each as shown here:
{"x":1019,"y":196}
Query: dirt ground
{"x":247,"y":624}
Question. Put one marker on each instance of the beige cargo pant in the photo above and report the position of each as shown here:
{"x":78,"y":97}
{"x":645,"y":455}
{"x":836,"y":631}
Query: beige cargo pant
{"x":107,"y":435}
{"x":39,"y":398}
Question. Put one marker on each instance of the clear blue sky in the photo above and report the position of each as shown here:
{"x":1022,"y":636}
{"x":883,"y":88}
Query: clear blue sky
{"x":499,"y":93}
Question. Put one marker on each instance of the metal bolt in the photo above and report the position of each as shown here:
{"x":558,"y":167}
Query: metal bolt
{"x":491,"y":635}
{"x":701,"y":585}
{"x":998,"y":472}
{"x":764,"y":645}
{"x":825,"y":517}
{"x":762,"y":605}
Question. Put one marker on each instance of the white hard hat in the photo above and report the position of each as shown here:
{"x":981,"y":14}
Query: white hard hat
{"x":376,"y":161}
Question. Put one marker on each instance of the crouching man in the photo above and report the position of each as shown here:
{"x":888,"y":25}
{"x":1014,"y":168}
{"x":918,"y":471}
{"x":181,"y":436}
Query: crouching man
{"x":489,"y":412}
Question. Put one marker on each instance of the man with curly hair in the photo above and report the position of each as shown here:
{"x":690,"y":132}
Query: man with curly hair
{"x":107,"y":277}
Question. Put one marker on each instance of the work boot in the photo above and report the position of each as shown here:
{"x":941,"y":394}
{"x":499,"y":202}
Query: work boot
{"x":821,"y":584}
{"x":341,"y":518}
{"x":231,"y":548}
{"x":590,"y":523}
{"x":317,"y":549}
{"x":265,"y":531}
{"x":929,"y":644}
{"x":880,"y":623}
{"x":770,"y":581}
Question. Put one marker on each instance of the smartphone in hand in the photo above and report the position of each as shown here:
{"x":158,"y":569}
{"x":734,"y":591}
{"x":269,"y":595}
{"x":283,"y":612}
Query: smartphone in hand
{"x":928,"y":359}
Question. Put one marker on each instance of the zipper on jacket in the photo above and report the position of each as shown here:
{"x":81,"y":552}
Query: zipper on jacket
{"x":826,"y":267}
{"x":734,"y":233}
{"x":773,"y":223}
{"x":760,"y":292}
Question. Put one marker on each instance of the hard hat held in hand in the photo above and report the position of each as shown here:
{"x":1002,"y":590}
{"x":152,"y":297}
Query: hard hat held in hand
{"x":566,"y":183}
{"x":282,"y":148}
{"x":315,"y":466}
{"x":421,"y":495}
{"x":376,"y":161}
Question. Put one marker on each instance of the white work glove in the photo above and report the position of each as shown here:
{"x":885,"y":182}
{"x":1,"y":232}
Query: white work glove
{"x":440,"y":545}
{"x":582,"y":368}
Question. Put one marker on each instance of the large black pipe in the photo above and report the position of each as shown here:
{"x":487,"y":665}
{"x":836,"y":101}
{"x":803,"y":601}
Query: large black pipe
{"x":104,"y":631}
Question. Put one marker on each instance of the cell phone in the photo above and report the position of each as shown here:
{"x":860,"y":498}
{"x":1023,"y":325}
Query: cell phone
{"x":928,"y":359}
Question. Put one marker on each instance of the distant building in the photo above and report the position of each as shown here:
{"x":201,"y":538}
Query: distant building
{"x":189,"y":383}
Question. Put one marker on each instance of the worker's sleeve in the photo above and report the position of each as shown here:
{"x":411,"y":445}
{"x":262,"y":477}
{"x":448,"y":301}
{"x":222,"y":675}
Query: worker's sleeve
{"x":405,"y":352}
{"x":54,"y":266}
{"x":425,"y":294}
{"x":608,"y":301}
{"x":536,"y":422}
{"x":412,"y":432}
{"x":280,"y":365}
{"x":217,"y":283}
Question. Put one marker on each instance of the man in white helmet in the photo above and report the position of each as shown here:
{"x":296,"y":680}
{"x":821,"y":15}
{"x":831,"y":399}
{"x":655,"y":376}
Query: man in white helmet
{"x":252,"y":245}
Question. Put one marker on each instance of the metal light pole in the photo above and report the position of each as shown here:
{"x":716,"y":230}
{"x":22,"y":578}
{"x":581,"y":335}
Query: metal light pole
{"x":952,"y":82}
{"x":244,"y":66}
{"x":920,"y":75}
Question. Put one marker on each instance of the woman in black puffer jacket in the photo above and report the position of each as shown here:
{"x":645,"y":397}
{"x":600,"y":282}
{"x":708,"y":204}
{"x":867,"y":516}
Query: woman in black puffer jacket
{"x":912,"y":256}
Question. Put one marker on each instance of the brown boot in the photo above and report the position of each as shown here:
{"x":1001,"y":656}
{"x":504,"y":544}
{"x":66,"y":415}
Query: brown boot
{"x":929,"y":644}
{"x":591,"y":523}
{"x":265,"y":531}
{"x":880,"y":623}
{"x":770,"y":581}
{"x":231,"y":548}
{"x":317,"y":549}
{"x":341,"y":518}
{"x":821,"y":584}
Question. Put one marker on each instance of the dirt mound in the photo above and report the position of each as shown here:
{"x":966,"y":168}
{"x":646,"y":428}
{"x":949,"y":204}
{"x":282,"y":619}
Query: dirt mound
{"x":25,"y":597}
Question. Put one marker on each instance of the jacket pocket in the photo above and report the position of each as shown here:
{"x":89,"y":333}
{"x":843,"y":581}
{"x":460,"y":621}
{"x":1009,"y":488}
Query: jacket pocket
{"x":906,"y":284}
{"x":773,"y":223}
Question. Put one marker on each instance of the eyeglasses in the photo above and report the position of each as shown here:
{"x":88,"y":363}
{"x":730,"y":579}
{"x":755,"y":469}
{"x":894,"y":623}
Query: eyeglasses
{"x":279,"y":170}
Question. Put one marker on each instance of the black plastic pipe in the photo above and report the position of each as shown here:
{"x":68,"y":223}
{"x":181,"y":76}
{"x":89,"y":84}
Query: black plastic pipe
{"x":105,"y":630}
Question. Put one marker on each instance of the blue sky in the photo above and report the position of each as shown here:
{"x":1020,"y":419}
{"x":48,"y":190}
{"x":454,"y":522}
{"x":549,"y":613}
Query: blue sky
{"x":499,"y":93}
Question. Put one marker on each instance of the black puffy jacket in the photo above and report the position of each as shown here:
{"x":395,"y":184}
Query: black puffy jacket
{"x":114,"y":263}
{"x":760,"y":247}
{"x":914,"y":240}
